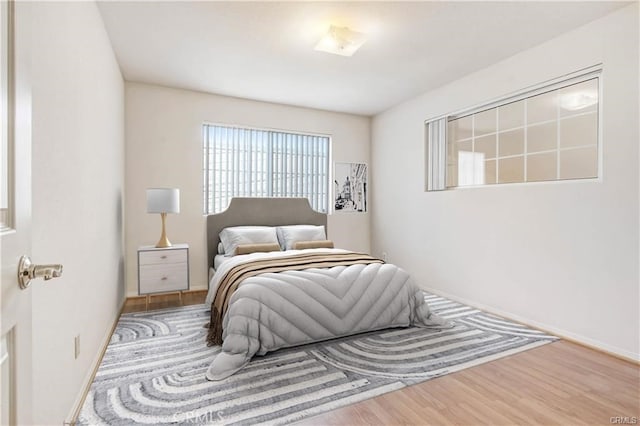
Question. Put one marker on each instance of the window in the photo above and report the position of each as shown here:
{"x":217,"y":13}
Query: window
{"x":546,"y":134}
{"x":242,"y":162}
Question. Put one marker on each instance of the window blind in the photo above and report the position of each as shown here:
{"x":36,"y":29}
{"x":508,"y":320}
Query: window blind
{"x":436,"y":154}
{"x":244,"y":162}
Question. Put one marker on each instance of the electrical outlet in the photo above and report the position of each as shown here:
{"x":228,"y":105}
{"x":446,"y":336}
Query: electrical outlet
{"x":384,"y":256}
{"x":76,"y":343}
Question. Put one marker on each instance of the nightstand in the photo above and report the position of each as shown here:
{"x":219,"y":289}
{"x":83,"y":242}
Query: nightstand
{"x":163,"y":270}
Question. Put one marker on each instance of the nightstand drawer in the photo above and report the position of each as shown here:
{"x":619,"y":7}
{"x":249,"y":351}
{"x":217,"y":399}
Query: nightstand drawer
{"x":163,"y":278}
{"x":155,"y":257}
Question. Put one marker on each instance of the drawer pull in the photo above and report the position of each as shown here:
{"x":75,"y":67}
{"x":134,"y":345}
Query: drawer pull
{"x":164,"y":278}
{"x":163,"y":257}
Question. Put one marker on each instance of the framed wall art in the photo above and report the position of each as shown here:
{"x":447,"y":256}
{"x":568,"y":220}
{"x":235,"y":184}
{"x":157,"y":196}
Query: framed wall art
{"x":350,"y":187}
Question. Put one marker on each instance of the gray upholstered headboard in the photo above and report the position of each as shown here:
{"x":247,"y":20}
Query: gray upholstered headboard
{"x":262,"y":212}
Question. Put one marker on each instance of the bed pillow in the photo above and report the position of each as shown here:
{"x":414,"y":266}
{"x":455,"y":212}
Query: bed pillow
{"x":300,"y":245}
{"x":234,"y":236}
{"x":255,"y":248}
{"x":220,"y":248}
{"x":289,"y":235}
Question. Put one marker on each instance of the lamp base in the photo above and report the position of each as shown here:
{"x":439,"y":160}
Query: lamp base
{"x":164,"y":241}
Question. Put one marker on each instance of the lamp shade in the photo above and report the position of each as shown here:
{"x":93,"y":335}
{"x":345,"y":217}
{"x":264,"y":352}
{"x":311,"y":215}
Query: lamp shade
{"x":163,"y":200}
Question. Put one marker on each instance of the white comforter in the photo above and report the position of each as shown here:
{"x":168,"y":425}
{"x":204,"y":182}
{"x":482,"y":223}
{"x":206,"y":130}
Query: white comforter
{"x":276,"y":310}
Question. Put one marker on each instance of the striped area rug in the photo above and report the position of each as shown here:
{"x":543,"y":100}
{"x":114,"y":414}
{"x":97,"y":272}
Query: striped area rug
{"x":153,"y":369}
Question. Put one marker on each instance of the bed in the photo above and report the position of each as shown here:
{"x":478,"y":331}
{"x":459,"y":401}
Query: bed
{"x":270,"y":299}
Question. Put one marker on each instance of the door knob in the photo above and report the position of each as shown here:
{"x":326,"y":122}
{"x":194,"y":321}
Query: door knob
{"x":27,"y":271}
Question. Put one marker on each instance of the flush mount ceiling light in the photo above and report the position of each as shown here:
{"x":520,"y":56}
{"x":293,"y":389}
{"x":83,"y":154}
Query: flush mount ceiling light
{"x":340,"y":41}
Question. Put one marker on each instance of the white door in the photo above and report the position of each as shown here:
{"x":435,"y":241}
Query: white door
{"x":15,"y":213}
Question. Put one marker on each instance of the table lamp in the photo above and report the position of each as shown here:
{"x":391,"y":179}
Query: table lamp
{"x":163,"y":201}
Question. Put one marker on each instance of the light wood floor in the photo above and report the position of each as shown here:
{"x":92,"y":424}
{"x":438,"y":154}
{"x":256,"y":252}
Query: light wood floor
{"x":162,"y":301}
{"x":560,"y":383}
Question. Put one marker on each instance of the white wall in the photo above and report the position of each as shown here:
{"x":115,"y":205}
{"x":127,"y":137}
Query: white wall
{"x":164,"y":148}
{"x":78,"y":173}
{"x":561,"y":255}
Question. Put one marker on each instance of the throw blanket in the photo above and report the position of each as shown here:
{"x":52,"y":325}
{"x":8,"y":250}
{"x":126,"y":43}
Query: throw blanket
{"x":297,"y":262}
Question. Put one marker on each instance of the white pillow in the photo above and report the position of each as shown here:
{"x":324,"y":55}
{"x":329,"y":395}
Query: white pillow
{"x":289,"y":235}
{"x":232,"y":237}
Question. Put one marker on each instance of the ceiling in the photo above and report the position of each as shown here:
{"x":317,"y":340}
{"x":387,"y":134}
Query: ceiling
{"x":265,"y":50}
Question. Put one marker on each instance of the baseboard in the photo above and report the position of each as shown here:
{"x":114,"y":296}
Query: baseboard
{"x":566,"y":335}
{"x":77,"y":405}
